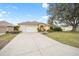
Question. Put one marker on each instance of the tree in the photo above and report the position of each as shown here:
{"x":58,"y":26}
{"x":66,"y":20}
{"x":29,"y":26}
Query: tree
{"x":68,"y":12}
{"x":16,"y":28}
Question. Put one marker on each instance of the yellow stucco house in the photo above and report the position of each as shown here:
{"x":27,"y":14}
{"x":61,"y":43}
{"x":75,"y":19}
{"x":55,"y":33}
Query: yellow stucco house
{"x":33,"y":26}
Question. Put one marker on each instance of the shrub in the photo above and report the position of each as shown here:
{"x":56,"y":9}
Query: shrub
{"x":16,"y":28}
{"x":57,"y":29}
{"x":7,"y":32}
{"x":13,"y":32}
{"x":38,"y":30}
{"x":51,"y":29}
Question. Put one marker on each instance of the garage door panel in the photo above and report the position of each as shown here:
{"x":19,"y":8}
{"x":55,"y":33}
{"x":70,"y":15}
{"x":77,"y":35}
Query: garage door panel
{"x":29,"y":29}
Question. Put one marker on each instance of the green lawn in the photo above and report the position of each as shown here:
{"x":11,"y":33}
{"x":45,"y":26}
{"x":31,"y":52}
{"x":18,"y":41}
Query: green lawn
{"x":70,"y":38}
{"x":5,"y":39}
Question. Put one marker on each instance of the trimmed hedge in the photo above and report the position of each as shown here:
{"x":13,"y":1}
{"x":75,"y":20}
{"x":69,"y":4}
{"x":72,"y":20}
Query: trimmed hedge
{"x":57,"y":29}
{"x":13,"y":32}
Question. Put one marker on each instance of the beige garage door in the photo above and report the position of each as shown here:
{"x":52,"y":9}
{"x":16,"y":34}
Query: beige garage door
{"x":29,"y":29}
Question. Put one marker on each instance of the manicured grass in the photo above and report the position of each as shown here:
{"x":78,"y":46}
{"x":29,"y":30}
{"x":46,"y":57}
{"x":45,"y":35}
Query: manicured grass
{"x":70,"y":38}
{"x":5,"y":39}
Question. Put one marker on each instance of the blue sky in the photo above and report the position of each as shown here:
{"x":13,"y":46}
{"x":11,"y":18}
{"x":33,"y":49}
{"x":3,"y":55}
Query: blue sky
{"x":20,"y":12}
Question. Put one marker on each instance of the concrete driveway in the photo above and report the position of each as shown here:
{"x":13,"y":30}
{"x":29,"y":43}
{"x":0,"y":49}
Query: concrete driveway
{"x":36,"y":44}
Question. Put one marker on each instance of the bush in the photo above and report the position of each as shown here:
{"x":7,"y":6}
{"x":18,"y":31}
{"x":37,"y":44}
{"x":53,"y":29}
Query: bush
{"x":13,"y":32}
{"x":57,"y":29}
{"x":7,"y":32}
{"x":38,"y":29}
{"x":51,"y":29}
{"x":16,"y":28}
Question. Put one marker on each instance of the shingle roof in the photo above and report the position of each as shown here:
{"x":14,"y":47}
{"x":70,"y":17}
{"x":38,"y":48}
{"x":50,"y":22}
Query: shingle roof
{"x":4,"y":23}
{"x":30,"y":23}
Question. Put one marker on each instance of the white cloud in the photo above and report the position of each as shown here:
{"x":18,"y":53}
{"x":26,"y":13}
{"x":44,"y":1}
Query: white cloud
{"x":45,"y":17}
{"x":1,"y":15}
{"x":15,"y":7}
{"x":12,"y":7}
{"x":3,"y":12}
{"x":1,"y":19}
{"x":45,"y":5}
{"x":29,"y":15}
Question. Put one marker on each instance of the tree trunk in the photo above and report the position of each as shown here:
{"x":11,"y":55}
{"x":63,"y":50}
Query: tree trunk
{"x":74,"y":28}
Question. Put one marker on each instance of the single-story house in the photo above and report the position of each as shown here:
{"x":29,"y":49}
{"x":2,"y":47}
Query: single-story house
{"x":66,"y":28}
{"x":31,"y":26}
{"x":62,"y":25}
{"x":5,"y":26}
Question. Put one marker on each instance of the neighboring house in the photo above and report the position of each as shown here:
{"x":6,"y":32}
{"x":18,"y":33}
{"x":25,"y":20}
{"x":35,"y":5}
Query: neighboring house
{"x":63,"y":25}
{"x":30,"y":26}
{"x":5,"y":26}
{"x":66,"y":28}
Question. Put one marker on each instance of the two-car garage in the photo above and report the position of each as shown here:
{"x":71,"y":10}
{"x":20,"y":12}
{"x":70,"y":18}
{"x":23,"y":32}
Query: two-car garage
{"x":28,"y":28}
